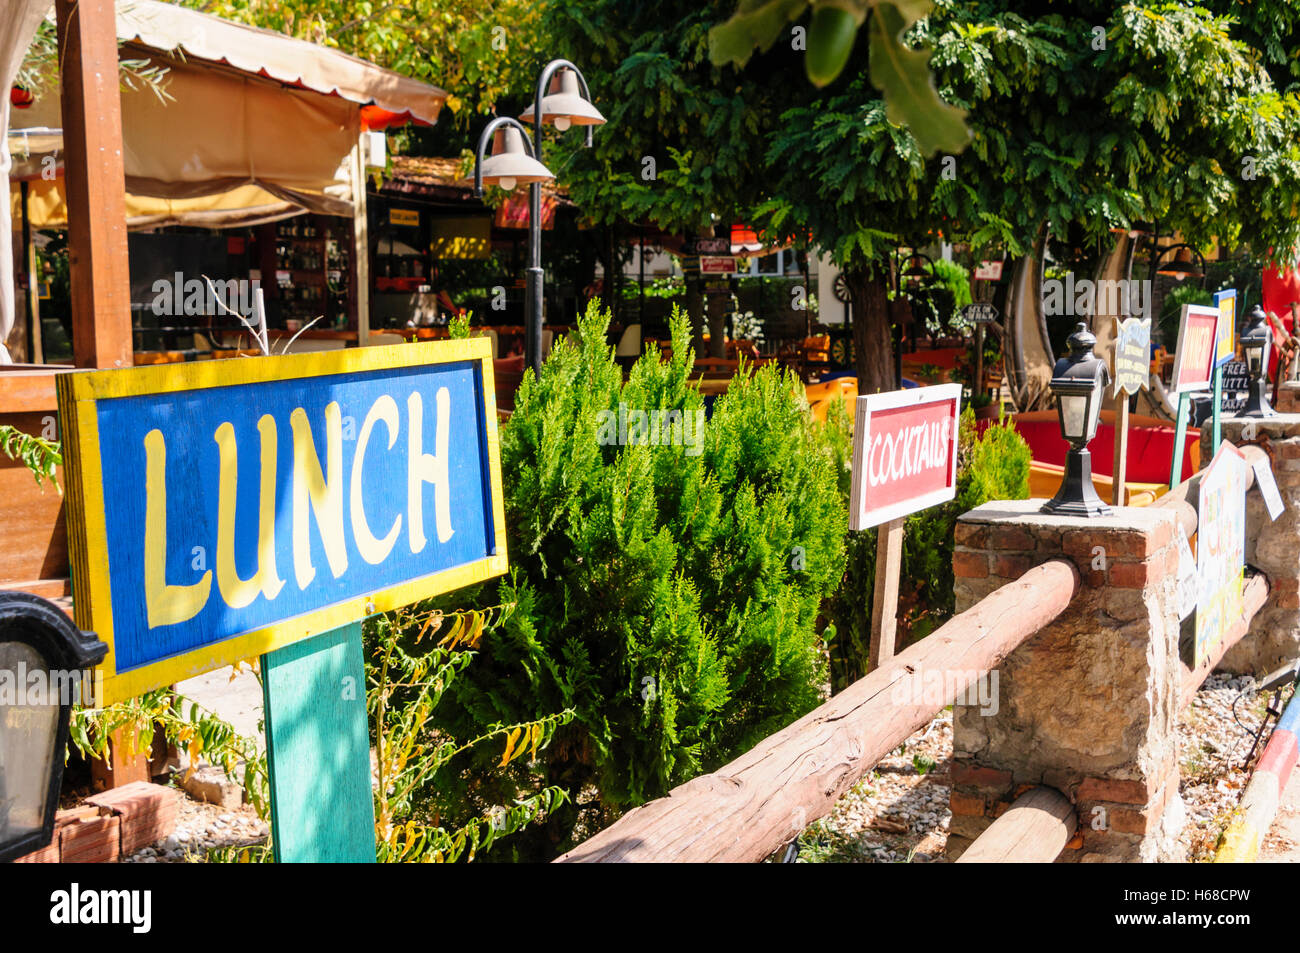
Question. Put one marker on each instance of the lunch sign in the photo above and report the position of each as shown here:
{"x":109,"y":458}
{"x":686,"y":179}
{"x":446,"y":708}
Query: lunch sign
{"x":222,"y":510}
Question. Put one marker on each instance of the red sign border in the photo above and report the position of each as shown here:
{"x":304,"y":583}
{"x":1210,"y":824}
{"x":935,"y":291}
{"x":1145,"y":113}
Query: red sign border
{"x":859,"y":516}
{"x":1201,"y":383}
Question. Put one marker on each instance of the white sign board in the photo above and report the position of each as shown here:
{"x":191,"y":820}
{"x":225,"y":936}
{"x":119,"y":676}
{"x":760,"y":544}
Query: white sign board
{"x":1220,"y":549}
{"x":1268,"y":488}
{"x":904,"y":453}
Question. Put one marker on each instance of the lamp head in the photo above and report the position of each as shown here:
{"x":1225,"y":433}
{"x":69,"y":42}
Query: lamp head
{"x":510,"y":164}
{"x":564,"y":105}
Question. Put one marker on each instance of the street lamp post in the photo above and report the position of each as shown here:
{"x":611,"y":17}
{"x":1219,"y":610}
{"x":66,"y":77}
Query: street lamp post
{"x":561,"y":98}
{"x":41,"y":657}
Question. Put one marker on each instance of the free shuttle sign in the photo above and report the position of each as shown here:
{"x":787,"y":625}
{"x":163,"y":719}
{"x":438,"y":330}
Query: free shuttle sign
{"x":904,"y":453}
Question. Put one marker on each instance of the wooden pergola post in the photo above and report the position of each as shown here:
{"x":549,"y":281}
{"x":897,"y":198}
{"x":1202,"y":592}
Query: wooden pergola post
{"x":95,"y":183}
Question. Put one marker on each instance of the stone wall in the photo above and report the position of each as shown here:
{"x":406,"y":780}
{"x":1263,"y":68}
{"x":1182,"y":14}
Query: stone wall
{"x":1088,"y":705}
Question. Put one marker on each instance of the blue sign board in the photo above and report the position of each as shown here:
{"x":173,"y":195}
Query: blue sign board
{"x":222,"y":510}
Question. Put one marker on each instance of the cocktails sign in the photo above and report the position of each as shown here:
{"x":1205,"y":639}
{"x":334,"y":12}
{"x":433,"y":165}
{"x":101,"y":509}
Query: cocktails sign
{"x":1132,"y":355}
{"x":904,"y":453}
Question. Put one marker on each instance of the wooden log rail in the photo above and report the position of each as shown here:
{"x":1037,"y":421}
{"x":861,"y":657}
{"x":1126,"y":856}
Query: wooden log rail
{"x":1034,"y":830}
{"x":761,"y":801}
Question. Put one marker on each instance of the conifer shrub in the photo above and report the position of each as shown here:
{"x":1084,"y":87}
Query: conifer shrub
{"x":667,"y":575}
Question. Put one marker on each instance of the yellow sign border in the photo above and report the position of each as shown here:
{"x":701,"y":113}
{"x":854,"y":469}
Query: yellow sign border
{"x":78,"y":393}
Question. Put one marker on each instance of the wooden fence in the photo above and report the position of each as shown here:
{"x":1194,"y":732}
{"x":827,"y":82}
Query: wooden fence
{"x":761,"y":801}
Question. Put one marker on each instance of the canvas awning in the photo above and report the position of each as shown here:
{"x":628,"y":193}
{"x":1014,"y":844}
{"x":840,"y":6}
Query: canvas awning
{"x":256,"y":125}
{"x":166,"y":28}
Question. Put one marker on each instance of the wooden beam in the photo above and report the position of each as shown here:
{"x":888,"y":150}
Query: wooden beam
{"x":95,"y":184}
{"x":762,"y":800}
{"x":1034,"y":830}
{"x":360,"y":243}
{"x":1119,"y":469}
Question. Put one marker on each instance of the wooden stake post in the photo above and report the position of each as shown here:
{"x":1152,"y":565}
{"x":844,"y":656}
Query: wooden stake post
{"x":904,"y":459}
{"x":884,"y":600}
{"x":1132,"y":369}
{"x":268,"y":518}
{"x":95,"y":184}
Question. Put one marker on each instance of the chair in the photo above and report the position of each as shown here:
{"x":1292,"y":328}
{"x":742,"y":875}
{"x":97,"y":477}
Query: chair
{"x":629,"y":345}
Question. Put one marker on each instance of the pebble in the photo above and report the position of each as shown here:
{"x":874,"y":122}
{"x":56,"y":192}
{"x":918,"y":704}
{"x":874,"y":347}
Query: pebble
{"x":1212,"y":748}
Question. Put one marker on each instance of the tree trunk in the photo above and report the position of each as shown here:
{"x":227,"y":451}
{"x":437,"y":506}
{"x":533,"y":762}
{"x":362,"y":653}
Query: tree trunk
{"x":873,"y":346}
{"x":717,"y":325}
{"x":695,"y":309}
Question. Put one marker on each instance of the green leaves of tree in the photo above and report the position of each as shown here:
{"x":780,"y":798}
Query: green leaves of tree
{"x":901,"y":73}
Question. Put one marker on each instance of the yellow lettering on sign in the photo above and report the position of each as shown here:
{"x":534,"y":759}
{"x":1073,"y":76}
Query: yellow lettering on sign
{"x":373,"y":551}
{"x":165,"y":604}
{"x":423,"y":468}
{"x":323,"y":493}
{"x":240,"y":592}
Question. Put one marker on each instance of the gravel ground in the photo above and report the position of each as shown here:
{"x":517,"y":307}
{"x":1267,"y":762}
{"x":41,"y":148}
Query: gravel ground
{"x":201,"y":827}
{"x":899,"y":812}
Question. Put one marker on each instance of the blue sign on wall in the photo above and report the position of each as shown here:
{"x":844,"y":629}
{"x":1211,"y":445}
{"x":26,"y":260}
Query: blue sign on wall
{"x":220,"y":510}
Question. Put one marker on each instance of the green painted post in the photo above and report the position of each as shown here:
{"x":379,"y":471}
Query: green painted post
{"x":318,"y":750}
{"x":1216,"y":430}
{"x":1176,"y":467}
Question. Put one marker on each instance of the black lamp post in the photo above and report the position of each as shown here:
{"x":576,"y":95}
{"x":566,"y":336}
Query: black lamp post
{"x":41,"y":657}
{"x":1079,"y":382}
{"x":561,"y":98}
{"x":1256,"y":343}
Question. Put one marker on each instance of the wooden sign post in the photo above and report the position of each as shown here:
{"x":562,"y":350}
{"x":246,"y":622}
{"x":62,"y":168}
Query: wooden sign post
{"x":1132,"y":370}
{"x":1194,"y":365}
{"x":224,"y":510}
{"x":980,"y":313}
{"x":904,"y":459}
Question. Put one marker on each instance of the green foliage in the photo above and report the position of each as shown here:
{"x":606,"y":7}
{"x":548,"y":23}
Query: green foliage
{"x":458,"y":326}
{"x":479,"y":52}
{"x":37,"y":454}
{"x":667,"y":592}
{"x":990,"y":466}
{"x":202,"y":734}
{"x":899,"y":70}
{"x":39,"y":69}
{"x":1171,"y":309}
{"x":414,"y":656}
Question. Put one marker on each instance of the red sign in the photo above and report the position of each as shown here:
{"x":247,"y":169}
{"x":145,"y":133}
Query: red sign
{"x":713,"y":265}
{"x":904,"y":453}
{"x":1194,"y":359}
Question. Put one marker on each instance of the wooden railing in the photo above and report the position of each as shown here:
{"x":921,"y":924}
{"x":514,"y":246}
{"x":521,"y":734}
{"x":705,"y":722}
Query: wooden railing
{"x":761,"y":801}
